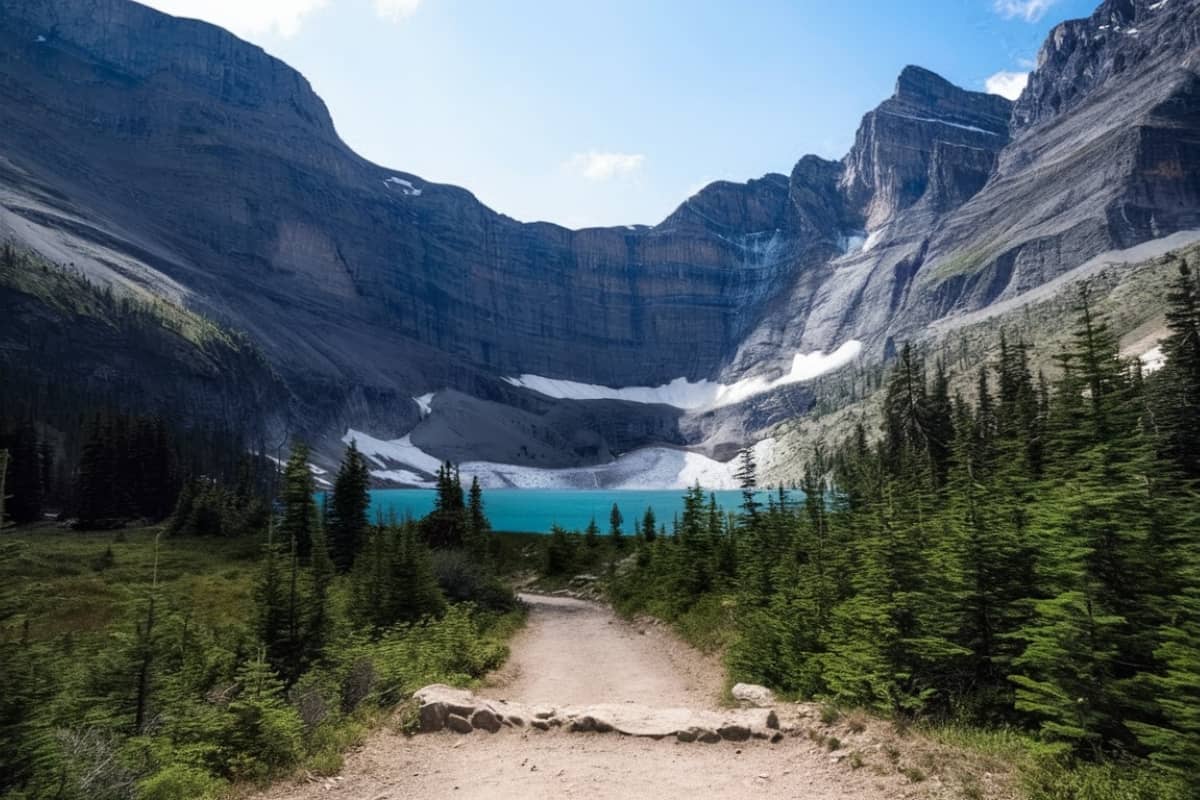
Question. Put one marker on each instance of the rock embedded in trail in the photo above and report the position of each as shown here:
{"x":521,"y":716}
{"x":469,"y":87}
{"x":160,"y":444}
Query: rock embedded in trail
{"x":485,"y":719}
{"x":443,"y":707}
{"x":458,"y":724}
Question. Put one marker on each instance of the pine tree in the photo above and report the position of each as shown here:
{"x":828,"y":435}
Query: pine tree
{"x":649,"y":525}
{"x":478,"y":526}
{"x":446,"y":526}
{"x":615,"y":521}
{"x":300,"y":517}
{"x":1179,"y":407}
{"x":747,"y":478}
{"x":591,"y":535}
{"x":413,"y":591}
{"x":347,"y":528}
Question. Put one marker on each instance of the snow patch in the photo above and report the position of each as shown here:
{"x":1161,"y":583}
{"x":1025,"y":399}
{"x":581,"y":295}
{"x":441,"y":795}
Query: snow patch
{"x":1158,"y":5}
{"x":1153,"y":360}
{"x":703,"y":394}
{"x":388,"y":453}
{"x":425,"y":404}
{"x":406,"y":187}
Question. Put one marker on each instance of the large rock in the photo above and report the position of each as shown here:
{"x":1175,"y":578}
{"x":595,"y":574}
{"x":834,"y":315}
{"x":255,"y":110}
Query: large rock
{"x":458,"y":724}
{"x":751,"y":694}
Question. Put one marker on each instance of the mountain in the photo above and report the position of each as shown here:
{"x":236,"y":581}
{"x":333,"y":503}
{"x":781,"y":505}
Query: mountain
{"x":169,"y":158}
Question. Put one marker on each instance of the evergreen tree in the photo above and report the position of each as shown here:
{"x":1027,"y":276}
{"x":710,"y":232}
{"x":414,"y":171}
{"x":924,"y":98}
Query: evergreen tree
{"x":347,"y":525}
{"x":478,"y":526}
{"x":1179,"y":407}
{"x":615,"y":521}
{"x":747,"y":478}
{"x":591,"y":535}
{"x":446,"y":526}
{"x":300,"y":519}
{"x":649,"y":525}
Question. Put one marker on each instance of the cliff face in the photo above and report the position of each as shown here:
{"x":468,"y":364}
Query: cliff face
{"x":171,"y":157}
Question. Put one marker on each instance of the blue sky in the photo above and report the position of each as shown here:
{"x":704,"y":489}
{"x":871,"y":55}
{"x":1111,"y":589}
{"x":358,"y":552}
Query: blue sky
{"x":606,"y":113}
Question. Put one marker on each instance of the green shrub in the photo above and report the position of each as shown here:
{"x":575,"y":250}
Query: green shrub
{"x":180,"y":782}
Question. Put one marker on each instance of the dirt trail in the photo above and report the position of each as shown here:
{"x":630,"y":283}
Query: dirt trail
{"x":574,"y":652}
{"x":577,"y":653}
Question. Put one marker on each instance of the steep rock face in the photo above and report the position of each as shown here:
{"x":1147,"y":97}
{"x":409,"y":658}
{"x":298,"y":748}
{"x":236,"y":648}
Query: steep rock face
{"x":1105,"y":155}
{"x":174,"y":136}
{"x":169,"y":156}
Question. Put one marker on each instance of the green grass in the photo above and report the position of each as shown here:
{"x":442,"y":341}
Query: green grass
{"x":55,"y":582}
{"x":1044,"y":775}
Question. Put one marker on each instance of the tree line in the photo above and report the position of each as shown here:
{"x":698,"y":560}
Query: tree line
{"x":343,"y":617}
{"x":1023,"y":554}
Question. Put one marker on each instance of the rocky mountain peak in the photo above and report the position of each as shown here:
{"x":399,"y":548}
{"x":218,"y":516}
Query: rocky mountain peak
{"x":924,"y":135}
{"x":1081,"y":57}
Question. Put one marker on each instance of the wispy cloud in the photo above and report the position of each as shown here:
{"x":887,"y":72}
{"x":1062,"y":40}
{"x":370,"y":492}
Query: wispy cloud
{"x":396,"y":10}
{"x":1028,"y":10}
{"x":245,"y":17}
{"x":1007,"y":84}
{"x":597,"y":166}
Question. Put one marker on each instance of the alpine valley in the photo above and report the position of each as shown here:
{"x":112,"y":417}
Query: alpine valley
{"x":300,"y":291}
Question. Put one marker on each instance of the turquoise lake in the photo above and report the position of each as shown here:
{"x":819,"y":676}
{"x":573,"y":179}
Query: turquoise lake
{"x":535,"y":510}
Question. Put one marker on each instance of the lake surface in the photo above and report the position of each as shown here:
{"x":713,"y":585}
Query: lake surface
{"x":535,"y":510}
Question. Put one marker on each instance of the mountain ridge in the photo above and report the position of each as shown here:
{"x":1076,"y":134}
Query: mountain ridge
{"x":172,"y":157}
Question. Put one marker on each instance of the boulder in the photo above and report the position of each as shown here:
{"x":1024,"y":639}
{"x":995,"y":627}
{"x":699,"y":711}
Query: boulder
{"x":485,"y":719}
{"x":708,"y":736}
{"x":458,"y":724}
{"x":689,"y":735}
{"x":753,"y":695}
{"x":432,"y":717}
{"x":539,"y":724}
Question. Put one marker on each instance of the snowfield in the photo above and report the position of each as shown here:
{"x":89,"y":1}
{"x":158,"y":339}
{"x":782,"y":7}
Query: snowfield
{"x":689,"y":395}
{"x":648,"y":468}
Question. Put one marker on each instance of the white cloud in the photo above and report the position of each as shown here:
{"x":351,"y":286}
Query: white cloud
{"x":396,"y":10}
{"x":1028,"y":10}
{"x":1007,"y":84}
{"x":601,"y":166}
{"x":244,"y":17}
